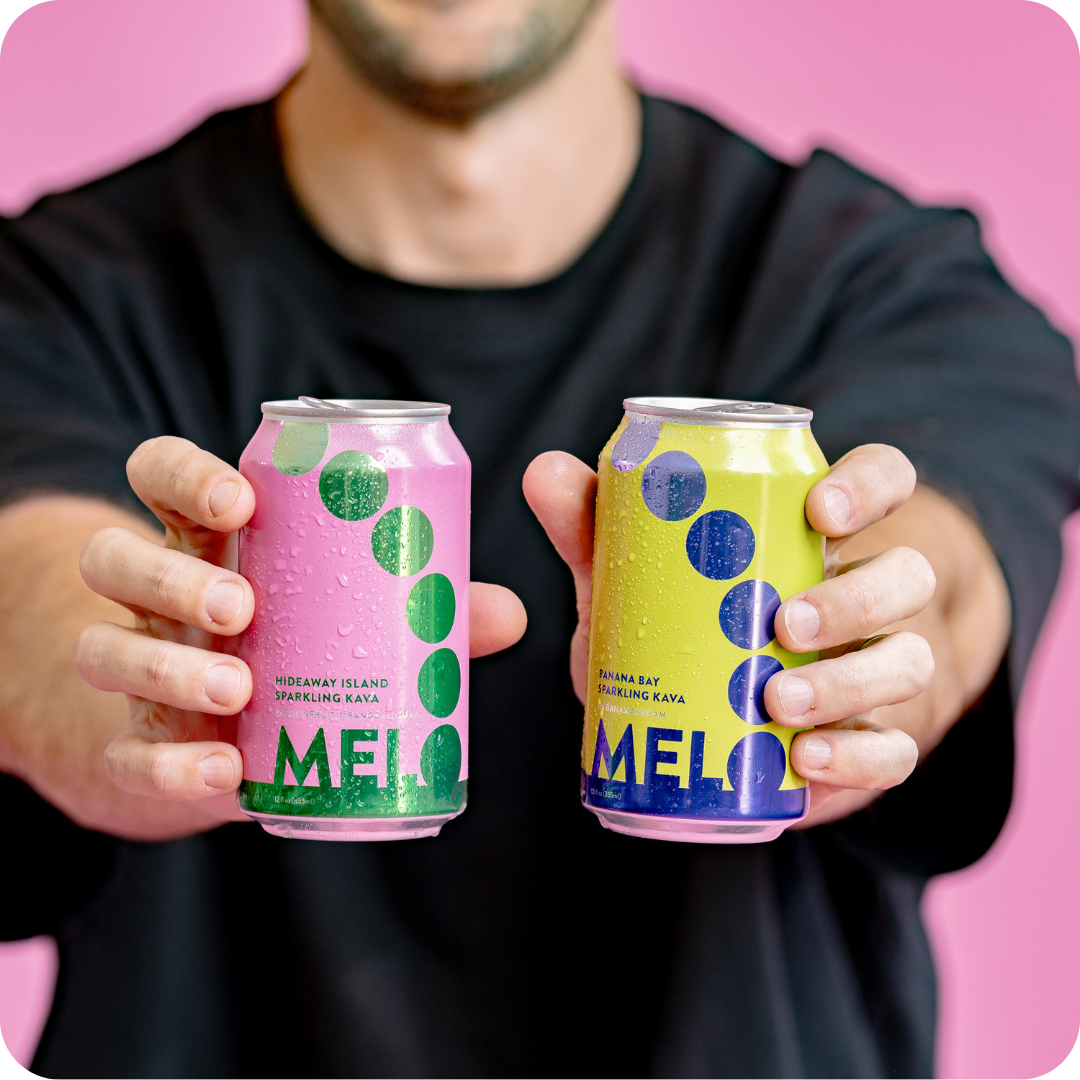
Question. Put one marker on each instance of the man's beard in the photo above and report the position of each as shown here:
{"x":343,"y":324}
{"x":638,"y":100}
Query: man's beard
{"x":384,"y":57}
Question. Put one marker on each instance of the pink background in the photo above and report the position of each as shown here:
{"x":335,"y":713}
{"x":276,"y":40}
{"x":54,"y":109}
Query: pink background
{"x":963,"y":101}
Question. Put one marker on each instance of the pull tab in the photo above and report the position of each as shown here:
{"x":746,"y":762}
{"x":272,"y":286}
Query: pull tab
{"x":738,"y":407}
{"x":321,"y":403}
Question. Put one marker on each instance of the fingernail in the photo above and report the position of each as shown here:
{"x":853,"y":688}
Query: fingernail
{"x":217,"y":771}
{"x":222,"y":684}
{"x":802,"y":621}
{"x":796,"y":695}
{"x":224,"y":496}
{"x":223,"y":602}
{"x":838,"y":504}
{"x":816,"y":752}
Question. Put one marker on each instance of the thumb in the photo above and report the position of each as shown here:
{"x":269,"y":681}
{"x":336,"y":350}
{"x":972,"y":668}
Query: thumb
{"x":561,"y":491}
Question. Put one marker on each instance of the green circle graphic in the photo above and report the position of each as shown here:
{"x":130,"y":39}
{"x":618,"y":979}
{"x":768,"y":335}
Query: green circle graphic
{"x":430,"y":608}
{"x":439,"y":682}
{"x":300,"y":447}
{"x":440,"y":760}
{"x":353,"y":486}
{"x":402,"y":541}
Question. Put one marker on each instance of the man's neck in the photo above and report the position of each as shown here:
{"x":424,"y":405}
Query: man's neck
{"x":510,"y":199}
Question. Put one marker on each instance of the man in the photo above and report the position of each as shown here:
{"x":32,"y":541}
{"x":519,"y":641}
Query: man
{"x":464,"y":200}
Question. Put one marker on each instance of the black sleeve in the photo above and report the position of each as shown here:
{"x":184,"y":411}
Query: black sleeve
{"x":51,"y":865}
{"x":67,"y":423}
{"x":99,"y":346}
{"x":891,"y":322}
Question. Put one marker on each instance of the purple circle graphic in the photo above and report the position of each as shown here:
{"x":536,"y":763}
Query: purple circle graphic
{"x":747,"y":613}
{"x":746,"y":687}
{"x":756,"y":765}
{"x":673,"y":485}
{"x":720,"y":544}
{"x":635,"y":444}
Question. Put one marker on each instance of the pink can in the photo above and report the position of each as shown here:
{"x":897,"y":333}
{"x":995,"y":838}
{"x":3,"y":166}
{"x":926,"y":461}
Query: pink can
{"x":358,"y":552}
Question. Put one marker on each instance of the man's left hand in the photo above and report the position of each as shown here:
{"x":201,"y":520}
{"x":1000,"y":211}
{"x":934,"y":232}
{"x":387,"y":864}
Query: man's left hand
{"x":911,"y":621}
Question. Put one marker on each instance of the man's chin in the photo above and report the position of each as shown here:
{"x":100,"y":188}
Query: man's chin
{"x":455,"y":104}
{"x":387,"y":58}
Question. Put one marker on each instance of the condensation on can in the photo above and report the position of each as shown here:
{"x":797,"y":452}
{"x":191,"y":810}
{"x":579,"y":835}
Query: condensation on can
{"x":700,"y":535}
{"x":358,"y":554}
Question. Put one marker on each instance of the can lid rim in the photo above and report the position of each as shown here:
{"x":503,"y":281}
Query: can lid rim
{"x":720,"y":412}
{"x":356,"y":408}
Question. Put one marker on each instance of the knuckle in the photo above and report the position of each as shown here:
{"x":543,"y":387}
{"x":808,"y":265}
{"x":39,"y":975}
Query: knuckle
{"x":158,"y":667}
{"x":862,"y":601}
{"x":159,"y":771}
{"x":857,"y":687}
{"x":94,"y":655}
{"x":187,"y":471}
{"x":875,"y":760}
{"x":165,"y":582}
{"x":196,"y":474}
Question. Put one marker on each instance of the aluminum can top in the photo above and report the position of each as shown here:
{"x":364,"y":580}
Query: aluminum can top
{"x":334,"y":410}
{"x":719,"y":412}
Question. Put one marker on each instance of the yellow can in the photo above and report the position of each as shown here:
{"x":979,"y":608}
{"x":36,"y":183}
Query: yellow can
{"x":701,"y":534}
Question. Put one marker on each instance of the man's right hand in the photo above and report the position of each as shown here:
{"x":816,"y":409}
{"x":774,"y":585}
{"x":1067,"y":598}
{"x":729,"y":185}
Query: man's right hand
{"x":177,"y":665}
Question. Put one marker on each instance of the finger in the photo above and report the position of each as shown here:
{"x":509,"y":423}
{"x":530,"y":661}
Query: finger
{"x":865,"y":485}
{"x":173,"y":770}
{"x":561,"y":490}
{"x":867,"y":759}
{"x":113,"y":658}
{"x":497,"y":619}
{"x":137,"y":572}
{"x":896,"y":668}
{"x":189,"y":489}
{"x":894,"y":585}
